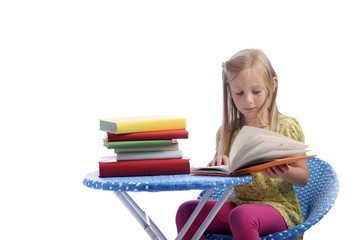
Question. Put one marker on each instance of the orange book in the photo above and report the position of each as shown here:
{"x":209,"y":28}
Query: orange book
{"x":256,"y":168}
{"x":256,"y":149}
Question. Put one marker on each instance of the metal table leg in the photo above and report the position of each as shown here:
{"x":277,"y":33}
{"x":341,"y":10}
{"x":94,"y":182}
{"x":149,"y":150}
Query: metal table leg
{"x":154,"y":232}
{"x":213,"y":213}
{"x":195,"y":213}
{"x":144,"y":220}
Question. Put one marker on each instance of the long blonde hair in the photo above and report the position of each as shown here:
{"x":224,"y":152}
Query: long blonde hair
{"x":257,"y":61}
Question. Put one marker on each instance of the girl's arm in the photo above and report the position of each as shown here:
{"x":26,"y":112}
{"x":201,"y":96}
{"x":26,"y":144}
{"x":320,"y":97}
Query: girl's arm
{"x":295,"y":173}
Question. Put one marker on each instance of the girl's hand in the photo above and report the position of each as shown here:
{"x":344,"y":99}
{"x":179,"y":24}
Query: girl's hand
{"x":219,"y":160}
{"x":278,"y":171}
{"x":295,"y":173}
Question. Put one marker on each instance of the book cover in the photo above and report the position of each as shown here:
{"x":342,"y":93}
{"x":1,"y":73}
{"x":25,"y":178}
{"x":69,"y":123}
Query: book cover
{"x":109,"y":167}
{"x":137,"y":144}
{"x":149,"y":155}
{"x":263,"y":167}
{"x":254,"y":146}
{"x":122,"y":125}
{"x":154,"y":135}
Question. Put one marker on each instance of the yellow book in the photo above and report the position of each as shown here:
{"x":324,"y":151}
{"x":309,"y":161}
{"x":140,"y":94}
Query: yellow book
{"x":123,"y":125}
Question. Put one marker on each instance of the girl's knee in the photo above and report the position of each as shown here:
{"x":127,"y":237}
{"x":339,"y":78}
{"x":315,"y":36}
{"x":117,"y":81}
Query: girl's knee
{"x":255,"y":220}
{"x":188,"y":205}
{"x":243,"y":223}
{"x":242,"y":217}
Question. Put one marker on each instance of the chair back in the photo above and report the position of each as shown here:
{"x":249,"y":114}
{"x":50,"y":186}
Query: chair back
{"x":319,"y":195}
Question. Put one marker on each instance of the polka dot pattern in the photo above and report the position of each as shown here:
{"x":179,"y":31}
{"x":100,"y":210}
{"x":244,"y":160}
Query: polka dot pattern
{"x":161,"y":182}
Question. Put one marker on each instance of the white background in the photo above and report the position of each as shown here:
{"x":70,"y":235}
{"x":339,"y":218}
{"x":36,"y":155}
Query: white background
{"x":65,"y":64}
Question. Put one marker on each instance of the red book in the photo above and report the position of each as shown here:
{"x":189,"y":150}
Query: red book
{"x":143,"y":167}
{"x":156,"y":135}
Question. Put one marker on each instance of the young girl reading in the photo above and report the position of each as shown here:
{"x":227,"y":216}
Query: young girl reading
{"x":268,"y":204}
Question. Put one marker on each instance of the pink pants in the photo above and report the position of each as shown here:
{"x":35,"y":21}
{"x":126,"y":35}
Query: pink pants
{"x":245,"y":222}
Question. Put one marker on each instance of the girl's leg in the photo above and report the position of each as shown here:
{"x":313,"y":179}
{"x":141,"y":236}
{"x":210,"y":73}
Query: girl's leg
{"x":219,"y":224}
{"x":254,"y":220}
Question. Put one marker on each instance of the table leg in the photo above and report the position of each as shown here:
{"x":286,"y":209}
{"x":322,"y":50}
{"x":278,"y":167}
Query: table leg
{"x":145,"y":221}
{"x":195,"y":213}
{"x":154,"y":232}
{"x":213,"y":213}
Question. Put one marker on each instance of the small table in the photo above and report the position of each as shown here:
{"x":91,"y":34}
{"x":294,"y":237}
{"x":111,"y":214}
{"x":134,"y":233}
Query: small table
{"x":121,"y":185}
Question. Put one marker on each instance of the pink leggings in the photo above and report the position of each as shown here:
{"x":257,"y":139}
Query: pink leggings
{"x":244,"y":222}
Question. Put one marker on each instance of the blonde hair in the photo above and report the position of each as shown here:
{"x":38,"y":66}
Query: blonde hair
{"x":251,"y":60}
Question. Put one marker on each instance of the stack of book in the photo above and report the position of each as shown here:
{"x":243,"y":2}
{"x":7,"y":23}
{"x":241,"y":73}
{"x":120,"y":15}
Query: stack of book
{"x":143,"y":146}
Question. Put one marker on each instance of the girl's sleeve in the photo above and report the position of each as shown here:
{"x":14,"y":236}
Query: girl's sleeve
{"x":291,"y":128}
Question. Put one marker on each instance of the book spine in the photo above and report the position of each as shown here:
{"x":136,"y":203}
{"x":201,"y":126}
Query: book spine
{"x":150,"y":125}
{"x":173,"y":147}
{"x":144,"y":168}
{"x":154,"y":135}
{"x":107,"y":126}
{"x":149,"y":155}
{"x":137,"y":144}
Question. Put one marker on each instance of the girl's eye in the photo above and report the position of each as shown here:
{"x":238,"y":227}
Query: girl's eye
{"x":240,"y":93}
{"x":256,"y":92}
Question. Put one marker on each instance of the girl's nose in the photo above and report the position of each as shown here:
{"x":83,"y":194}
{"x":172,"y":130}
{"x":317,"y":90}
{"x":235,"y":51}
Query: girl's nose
{"x":249,"y":98}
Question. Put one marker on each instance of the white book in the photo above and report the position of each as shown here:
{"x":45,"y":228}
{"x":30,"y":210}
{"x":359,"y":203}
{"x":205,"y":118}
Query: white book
{"x":149,"y":155}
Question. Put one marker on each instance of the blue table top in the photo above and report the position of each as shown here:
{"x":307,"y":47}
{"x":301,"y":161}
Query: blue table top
{"x":161,"y":182}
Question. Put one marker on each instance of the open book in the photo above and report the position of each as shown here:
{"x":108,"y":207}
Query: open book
{"x":255,"y":150}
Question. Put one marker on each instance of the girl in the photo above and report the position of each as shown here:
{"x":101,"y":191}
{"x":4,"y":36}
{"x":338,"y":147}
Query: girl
{"x":268,"y":204}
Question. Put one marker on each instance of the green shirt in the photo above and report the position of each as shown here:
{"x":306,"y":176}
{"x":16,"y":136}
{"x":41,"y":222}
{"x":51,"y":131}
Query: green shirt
{"x":273,"y":191}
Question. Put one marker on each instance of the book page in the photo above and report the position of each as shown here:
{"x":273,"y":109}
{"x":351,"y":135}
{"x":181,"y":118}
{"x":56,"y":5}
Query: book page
{"x":270,"y":156}
{"x":245,"y":136}
{"x":213,"y":169}
{"x":242,"y":142}
{"x":249,"y":147}
{"x":262,"y":144}
{"x":272,"y":145}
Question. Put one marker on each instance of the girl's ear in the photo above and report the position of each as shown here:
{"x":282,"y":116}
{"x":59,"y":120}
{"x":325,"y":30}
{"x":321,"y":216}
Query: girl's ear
{"x":275,"y":83}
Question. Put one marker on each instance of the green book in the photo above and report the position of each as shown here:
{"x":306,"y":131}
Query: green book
{"x":137,"y":144}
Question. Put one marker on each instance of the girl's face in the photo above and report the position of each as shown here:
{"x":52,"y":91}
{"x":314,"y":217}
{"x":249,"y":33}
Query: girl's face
{"x":249,"y":94}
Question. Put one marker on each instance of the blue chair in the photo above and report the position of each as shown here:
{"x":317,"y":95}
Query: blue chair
{"x":316,"y":199}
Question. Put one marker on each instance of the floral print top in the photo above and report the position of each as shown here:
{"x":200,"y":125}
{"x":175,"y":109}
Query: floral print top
{"x":273,"y":191}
